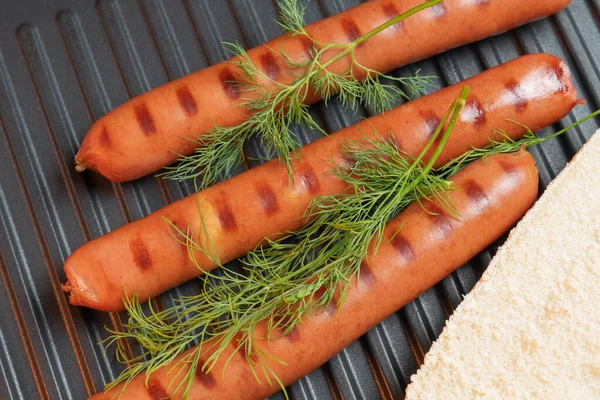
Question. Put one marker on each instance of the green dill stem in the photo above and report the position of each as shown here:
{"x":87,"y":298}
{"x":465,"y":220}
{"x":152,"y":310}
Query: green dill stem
{"x":505,"y":145}
{"x":460,"y":103}
{"x":382,"y":27}
{"x":568,"y":128}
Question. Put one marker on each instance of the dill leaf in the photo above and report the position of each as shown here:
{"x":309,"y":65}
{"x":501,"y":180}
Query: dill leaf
{"x":291,"y":17}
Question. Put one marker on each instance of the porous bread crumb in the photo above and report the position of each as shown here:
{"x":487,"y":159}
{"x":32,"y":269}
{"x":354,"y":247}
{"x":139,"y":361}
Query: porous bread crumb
{"x":530,"y":329}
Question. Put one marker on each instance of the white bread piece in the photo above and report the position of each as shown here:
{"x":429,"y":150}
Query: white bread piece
{"x":530,"y":329}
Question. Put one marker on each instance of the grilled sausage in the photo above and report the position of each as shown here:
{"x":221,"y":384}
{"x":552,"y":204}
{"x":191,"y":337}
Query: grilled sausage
{"x":145,"y":133}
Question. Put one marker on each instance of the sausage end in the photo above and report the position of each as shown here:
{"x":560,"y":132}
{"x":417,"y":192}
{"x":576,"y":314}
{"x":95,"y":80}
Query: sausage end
{"x":92,"y":295}
{"x":79,"y":165}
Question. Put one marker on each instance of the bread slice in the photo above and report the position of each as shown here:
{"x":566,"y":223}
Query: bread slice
{"x":530,"y":329}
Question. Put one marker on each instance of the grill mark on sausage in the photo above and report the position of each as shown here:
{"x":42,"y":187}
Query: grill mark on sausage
{"x":350,"y":29}
{"x":441,"y":220}
{"x":559,"y":73}
{"x":309,"y":180}
{"x":156,"y":391}
{"x":177,"y":234}
{"x":438,"y":10}
{"x":205,"y":378}
{"x":511,"y":170}
{"x":403,"y":247}
{"x":308,"y":46}
{"x":319,"y":293}
{"x":269,"y":65}
{"x":476,"y":193}
{"x":366,"y":274}
{"x":482,"y":2}
{"x":293,"y":335}
{"x":392,"y":12}
{"x":144,"y":119}
{"x":244,"y":349}
{"x":141,"y":255}
{"x":267,"y":199}
{"x":226,"y":216}
{"x":331,"y":308}
{"x":105,"y":138}
{"x":517,"y":98}
{"x":474,"y":112}
{"x":186,"y":101}
{"x":431,"y":120}
{"x":346,"y":161}
{"x":229,"y":84}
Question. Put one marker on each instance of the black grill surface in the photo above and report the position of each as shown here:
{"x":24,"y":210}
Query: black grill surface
{"x":64,"y":63}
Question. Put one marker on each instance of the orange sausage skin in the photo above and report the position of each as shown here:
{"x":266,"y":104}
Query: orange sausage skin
{"x":491,"y":197}
{"x":143,"y":258}
{"x":143,"y":135}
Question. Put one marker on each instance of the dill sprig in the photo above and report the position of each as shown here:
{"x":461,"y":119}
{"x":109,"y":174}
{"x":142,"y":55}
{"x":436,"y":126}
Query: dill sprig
{"x":282,"y":284}
{"x":277,"y":107}
{"x":504,"y":144}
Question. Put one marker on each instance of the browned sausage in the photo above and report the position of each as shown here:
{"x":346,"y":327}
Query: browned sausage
{"x":142,"y":258}
{"x":491,"y":197}
{"x":142,"y":135}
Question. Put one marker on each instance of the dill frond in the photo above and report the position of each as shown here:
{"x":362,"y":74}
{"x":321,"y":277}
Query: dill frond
{"x":291,"y":17}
